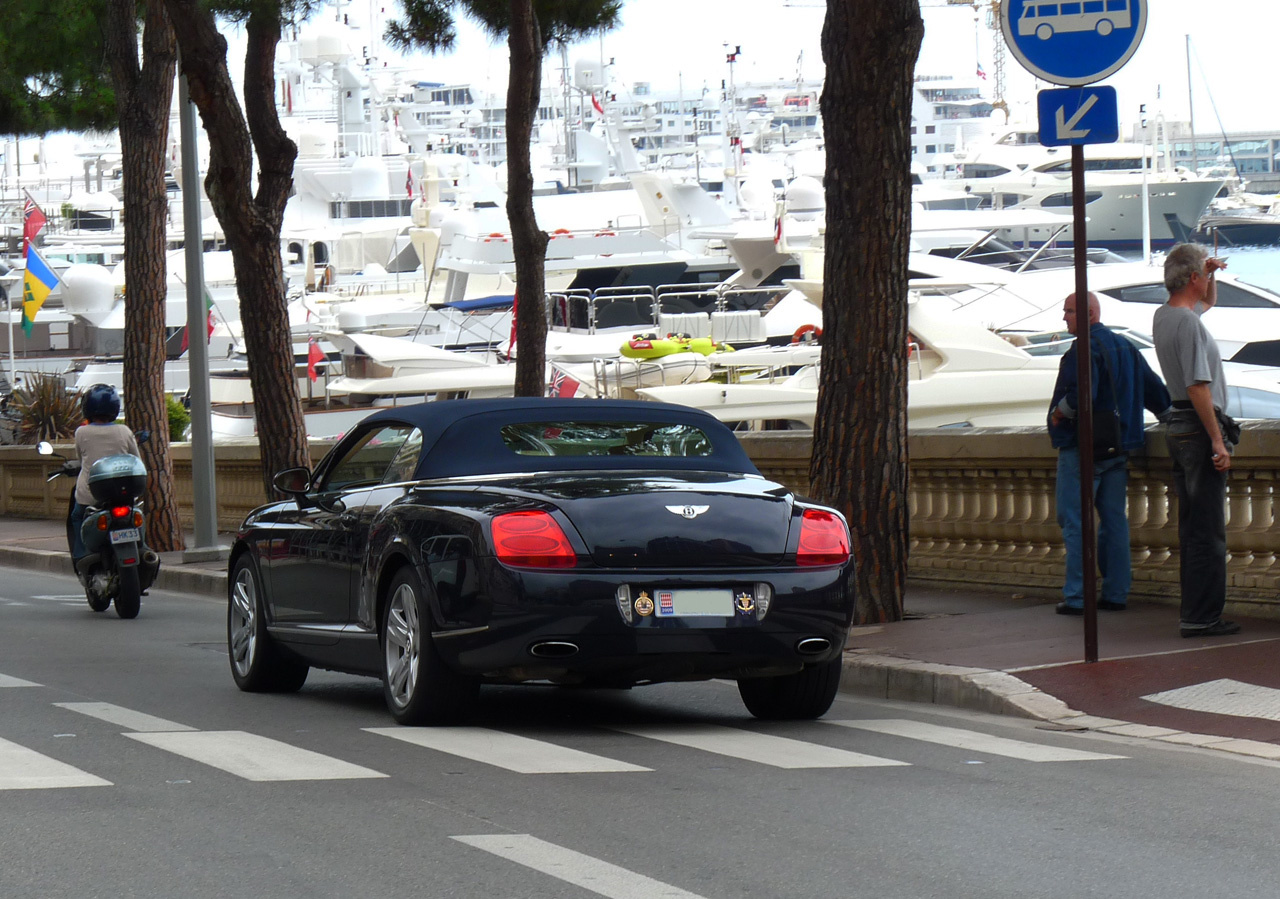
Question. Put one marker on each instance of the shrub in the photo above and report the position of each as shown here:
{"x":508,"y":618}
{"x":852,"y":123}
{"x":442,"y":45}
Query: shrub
{"x":179,"y":419}
{"x":49,"y":411}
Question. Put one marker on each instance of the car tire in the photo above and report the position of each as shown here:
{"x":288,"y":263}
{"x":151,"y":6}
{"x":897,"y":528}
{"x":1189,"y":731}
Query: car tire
{"x":806,"y":694}
{"x":419,"y":688}
{"x":258,"y":665}
{"x":129,"y":595}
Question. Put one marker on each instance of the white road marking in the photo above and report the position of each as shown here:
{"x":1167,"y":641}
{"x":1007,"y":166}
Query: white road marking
{"x":503,"y":750}
{"x":122,"y":717}
{"x":974,"y":741}
{"x":780,"y":752}
{"x":7,"y":681}
{"x":25,"y":769}
{"x":1224,"y":697}
{"x":60,"y":597}
{"x":253,"y":757}
{"x":574,"y":867}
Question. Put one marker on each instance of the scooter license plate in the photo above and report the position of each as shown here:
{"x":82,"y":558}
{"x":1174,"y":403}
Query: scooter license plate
{"x":125,"y":535}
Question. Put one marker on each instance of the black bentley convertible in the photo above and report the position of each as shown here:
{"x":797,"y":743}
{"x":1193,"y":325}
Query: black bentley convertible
{"x":450,"y":544}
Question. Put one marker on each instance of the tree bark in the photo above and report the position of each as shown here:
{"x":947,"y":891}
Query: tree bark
{"x":528,"y":242}
{"x":144,"y":91}
{"x":251,"y":221}
{"x":859,"y":462}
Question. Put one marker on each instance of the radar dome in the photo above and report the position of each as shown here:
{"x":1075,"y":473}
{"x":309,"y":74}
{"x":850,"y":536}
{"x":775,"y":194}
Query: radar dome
{"x":805,"y":199}
{"x":587,"y":75}
{"x":88,"y":288}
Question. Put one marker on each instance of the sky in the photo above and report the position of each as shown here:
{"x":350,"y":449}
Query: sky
{"x":673,"y":43}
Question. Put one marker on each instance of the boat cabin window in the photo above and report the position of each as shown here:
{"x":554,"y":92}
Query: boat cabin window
{"x":982,"y":170}
{"x":1125,"y":164}
{"x":1065,"y":199}
{"x":1229,"y":296}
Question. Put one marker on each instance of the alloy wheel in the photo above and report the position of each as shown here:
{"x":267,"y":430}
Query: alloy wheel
{"x":402,"y":646}
{"x":244,"y":621}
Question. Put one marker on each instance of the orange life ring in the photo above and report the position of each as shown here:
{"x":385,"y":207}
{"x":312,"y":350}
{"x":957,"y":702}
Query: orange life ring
{"x":605,"y":234}
{"x":804,"y":330}
{"x":561,"y":232}
{"x":496,"y":235}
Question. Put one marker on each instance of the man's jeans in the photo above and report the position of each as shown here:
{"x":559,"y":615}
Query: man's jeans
{"x":1110,"y":498}
{"x":1202,"y":521}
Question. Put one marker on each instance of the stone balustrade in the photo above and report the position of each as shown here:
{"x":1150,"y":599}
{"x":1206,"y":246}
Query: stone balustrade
{"x":981,"y":505}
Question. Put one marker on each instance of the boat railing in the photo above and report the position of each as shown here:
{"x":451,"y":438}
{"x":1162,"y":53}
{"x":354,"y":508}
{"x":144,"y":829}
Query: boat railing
{"x":579,"y":309}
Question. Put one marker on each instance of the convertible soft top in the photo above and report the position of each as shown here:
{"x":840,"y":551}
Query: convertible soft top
{"x":464,"y":437}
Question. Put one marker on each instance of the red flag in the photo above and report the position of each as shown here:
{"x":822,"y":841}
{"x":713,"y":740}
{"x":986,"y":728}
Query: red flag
{"x":596,"y":104}
{"x":33,"y":220}
{"x":408,"y":183}
{"x":315,"y":355}
{"x":563,"y":386}
{"x":777,"y":229}
{"x":515,"y":302}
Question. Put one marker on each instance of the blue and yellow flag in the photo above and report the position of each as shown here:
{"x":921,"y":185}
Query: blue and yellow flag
{"x":38,"y":282}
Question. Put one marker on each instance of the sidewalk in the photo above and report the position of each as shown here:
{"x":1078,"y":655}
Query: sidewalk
{"x":988,"y":651}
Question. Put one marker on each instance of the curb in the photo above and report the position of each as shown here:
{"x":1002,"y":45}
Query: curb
{"x":1000,"y":693}
{"x":187,"y":580}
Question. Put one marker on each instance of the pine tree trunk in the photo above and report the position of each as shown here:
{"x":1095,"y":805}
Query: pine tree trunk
{"x":528,"y":242}
{"x":251,"y":221}
{"x":143,"y":96}
{"x":859,"y":460}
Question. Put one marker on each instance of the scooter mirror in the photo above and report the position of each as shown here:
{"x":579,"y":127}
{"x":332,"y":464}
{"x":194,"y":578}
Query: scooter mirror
{"x":142,"y":436}
{"x":44,"y":448}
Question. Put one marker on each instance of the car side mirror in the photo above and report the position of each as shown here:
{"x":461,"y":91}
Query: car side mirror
{"x":292,"y":481}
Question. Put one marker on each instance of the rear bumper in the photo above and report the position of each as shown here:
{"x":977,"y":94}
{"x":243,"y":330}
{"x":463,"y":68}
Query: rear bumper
{"x":567,"y":627}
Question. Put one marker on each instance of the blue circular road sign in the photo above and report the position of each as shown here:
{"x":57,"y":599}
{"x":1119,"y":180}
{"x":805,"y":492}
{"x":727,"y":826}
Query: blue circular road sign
{"x":1073,"y":42}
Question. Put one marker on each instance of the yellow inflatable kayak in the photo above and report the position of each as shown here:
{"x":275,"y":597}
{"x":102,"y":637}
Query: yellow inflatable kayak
{"x":649,"y":347}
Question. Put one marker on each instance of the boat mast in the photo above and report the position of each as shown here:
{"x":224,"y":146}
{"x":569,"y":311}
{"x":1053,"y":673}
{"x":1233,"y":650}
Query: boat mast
{"x":1195,"y":150}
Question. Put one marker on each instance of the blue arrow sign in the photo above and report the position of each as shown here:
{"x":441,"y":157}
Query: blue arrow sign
{"x":1073,"y":42}
{"x":1078,"y":115}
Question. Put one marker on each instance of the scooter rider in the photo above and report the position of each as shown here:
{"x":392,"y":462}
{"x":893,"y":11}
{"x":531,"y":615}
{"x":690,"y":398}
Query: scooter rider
{"x":100,"y":436}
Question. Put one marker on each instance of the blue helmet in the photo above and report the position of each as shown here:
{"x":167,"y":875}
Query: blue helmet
{"x":101,"y":402}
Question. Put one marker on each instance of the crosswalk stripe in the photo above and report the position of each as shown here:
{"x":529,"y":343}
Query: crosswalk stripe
{"x":122,"y":717}
{"x":25,"y":769}
{"x":253,"y":757}
{"x":780,"y":752}
{"x":574,"y":867}
{"x":7,"y":681}
{"x":973,"y":741}
{"x":503,"y":750}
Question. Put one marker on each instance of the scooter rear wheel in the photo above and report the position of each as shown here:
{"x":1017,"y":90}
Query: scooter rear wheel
{"x":129,"y":599}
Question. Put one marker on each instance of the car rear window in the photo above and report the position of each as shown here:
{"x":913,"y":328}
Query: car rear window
{"x":605,"y":438}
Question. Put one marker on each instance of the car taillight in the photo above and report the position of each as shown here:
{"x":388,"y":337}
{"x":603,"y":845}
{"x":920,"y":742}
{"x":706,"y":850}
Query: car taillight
{"x":121,"y":511}
{"x":531,"y":540}
{"x":824,"y":540}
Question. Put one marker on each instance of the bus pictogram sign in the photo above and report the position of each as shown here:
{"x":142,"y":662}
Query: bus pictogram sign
{"x":1073,"y":42}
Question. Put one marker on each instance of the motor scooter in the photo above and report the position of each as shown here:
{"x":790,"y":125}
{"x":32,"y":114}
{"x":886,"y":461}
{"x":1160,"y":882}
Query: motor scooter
{"x":119,"y":566}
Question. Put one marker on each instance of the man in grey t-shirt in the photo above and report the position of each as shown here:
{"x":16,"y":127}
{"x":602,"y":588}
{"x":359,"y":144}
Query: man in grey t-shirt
{"x":1192,"y":368}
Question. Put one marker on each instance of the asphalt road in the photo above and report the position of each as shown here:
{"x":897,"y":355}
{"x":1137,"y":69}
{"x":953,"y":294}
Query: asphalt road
{"x":131,"y":766}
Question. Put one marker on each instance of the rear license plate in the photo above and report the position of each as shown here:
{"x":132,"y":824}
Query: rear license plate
{"x":685,"y":603}
{"x":124,"y":535}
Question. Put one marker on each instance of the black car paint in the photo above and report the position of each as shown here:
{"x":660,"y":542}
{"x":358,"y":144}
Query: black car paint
{"x":486,"y":615}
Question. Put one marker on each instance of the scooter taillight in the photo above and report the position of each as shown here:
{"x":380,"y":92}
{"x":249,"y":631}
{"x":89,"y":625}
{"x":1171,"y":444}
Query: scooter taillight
{"x":121,"y":511}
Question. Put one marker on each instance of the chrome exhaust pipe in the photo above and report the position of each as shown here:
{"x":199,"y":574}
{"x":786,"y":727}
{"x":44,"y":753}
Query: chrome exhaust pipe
{"x":553,"y":649}
{"x":150,"y":557}
{"x":812,"y":646}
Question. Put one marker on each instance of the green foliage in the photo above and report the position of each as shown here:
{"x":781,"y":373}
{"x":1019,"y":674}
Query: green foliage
{"x":53,"y":68}
{"x":179,"y":419}
{"x":429,"y":24}
{"x":49,"y":411}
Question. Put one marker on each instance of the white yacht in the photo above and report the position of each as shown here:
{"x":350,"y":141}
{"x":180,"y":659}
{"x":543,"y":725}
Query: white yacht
{"x":1015,"y":171}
